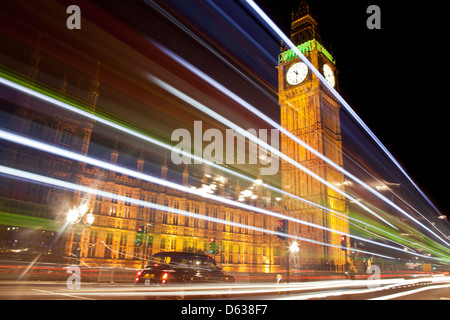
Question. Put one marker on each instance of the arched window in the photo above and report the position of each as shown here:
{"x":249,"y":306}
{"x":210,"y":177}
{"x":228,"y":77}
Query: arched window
{"x":67,"y":137}
{"x":36,"y":129}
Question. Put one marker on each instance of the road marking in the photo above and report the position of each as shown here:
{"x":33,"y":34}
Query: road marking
{"x":397,"y":295}
{"x":62,"y":294}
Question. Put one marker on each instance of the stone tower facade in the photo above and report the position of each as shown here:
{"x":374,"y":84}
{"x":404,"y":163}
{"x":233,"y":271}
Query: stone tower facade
{"x":311,"y":113}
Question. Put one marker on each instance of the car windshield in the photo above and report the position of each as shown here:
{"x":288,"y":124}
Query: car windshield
{"x":188,"y":261}
{"x":158,"y":260}
{"x":204,"y":263}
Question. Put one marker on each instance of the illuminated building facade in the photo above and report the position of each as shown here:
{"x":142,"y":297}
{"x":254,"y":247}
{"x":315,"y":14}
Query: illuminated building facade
{"x":308,"y":111}
{"x":34,"y":217}
{"x":112,"y":238}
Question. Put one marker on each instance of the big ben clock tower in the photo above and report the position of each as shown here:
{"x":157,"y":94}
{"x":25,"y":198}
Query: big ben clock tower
{"x":311,"y":113}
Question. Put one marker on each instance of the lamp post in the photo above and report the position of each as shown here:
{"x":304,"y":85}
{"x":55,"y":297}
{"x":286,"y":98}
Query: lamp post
{"x":77,"y":215}
{"x":145,"y":244}
{"x":294,"y":249}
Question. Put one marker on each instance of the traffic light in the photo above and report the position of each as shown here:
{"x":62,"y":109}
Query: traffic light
{"x":213,"y":248}
{"x":282,"y":227}
{"x":139,"y":235}
{"x":343,"y":242}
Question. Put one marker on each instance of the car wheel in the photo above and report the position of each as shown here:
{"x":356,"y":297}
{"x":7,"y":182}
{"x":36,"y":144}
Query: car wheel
{"x":181,"y":295}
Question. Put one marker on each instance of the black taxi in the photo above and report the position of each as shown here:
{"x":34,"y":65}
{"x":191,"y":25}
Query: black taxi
{"x":181,"y":267}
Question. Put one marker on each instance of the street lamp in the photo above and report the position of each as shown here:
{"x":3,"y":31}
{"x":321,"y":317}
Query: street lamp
{"x":72,"y":216}
{"x":90,"y":218}
{"x":76,"y":215}
{"x":294,"y":247}
{"x":145,"y":244}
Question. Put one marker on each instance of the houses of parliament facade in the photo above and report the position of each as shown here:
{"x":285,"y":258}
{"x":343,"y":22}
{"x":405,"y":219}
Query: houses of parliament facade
{"x":29,"y":211}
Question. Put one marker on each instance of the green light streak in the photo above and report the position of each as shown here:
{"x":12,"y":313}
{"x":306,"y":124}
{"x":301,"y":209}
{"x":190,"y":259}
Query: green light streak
{"x":71,"y":101}
{"x":19,"y":220}
{"x":414,"y":240}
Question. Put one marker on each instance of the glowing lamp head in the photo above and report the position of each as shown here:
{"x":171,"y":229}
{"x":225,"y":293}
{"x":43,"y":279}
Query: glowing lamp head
{"x":83,"y":209}
{"x":72,"y":216}
{"x":90,"y":218}
{"x":247,"y":193}
{"x":294,"y":247}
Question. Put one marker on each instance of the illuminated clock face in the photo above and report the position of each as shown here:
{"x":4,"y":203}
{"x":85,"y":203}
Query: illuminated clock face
{"x":329,"y":75}
{"x":297,"y":73}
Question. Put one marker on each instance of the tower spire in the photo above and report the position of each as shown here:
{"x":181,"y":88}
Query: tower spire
{"x":141,"y":160}
{"x":303,"y":26}
{"x":63,"y":87}
{"x":303,"y":10}
{"x":185,"y":176}
{"x":94,"y":89}
{"x":164,"y":168}
{"x":237,"y":189}
{"x":115,"y":152}
{"x":33,"y":69}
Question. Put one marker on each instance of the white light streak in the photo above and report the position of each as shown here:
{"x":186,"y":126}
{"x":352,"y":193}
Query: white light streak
{"x":71,"y":186}
{"x":148,"y":139}
{"x":31,"y":143}
{"x":111,"y":124}
{"x":251,"y":137}
{"x":409,"y":292}
{"x":383,"y":284}
{"x":62,"y":152}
